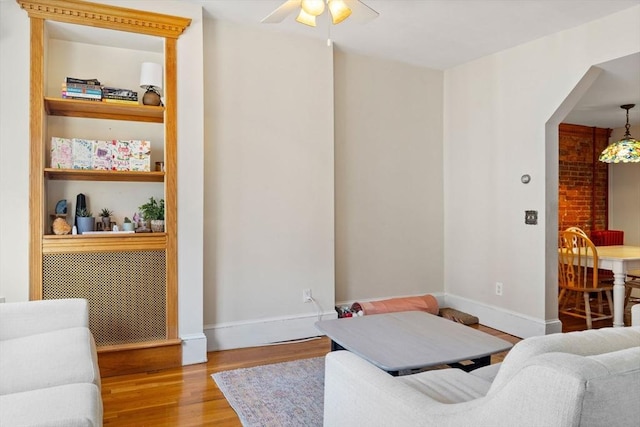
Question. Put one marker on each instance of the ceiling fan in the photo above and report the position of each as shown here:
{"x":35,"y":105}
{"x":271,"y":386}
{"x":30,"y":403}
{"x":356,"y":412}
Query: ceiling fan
{"x":310,"y":9}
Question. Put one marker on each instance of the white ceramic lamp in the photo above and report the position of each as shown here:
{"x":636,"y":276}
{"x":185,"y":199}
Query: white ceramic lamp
{"x":151,"y":80}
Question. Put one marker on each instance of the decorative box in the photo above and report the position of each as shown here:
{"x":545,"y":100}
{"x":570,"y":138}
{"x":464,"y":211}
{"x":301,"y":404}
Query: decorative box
{"x":121,"y":153}
{"x":61,"y":153}
{"x":140,"y":159}
{"x":102,"y":155}
{"x":83,"y":153}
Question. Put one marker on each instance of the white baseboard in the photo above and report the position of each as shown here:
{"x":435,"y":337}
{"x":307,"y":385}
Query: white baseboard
{"x":507,"y":321}
{"x":194,"y":349}
{"x":267,"y":331}
{"x":260,"y":332}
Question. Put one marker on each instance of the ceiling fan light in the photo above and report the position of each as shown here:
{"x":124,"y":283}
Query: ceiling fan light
{"x":339,"y":11}
{"x":306,"y":19}
{"x":313,"y":7}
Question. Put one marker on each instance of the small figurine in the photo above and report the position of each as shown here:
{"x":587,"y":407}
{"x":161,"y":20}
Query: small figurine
{"x":60,"y":227}
{"x":61,"y":207}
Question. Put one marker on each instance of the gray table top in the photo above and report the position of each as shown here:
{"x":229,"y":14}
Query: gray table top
{"x":410,"y":340}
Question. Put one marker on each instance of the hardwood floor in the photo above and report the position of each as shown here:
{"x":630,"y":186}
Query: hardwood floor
{"x":570,"y":323}
{"x":188,"y":396}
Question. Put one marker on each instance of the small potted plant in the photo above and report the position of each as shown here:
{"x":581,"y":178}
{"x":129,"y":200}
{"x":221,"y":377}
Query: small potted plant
{"x":105,"y":214}
{"x":85,"y":220}
{"x":153,"y":211}
{"x":127,"y":225}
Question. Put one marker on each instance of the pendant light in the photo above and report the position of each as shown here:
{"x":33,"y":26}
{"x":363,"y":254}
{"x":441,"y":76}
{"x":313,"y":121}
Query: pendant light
{"x":627,"y":150}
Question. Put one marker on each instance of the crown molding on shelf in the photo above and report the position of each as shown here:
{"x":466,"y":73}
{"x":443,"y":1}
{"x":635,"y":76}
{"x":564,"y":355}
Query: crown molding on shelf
{"x":105,"y":16}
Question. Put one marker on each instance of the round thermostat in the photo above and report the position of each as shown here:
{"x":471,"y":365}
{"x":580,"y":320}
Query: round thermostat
{"x":525,"y":179}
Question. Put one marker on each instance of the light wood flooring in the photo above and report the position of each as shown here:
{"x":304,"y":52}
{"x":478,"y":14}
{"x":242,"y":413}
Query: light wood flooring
{"x":188,"y":396}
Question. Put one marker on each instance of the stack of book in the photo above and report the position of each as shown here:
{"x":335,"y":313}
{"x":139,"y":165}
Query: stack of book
{"x":117,"y":95}
{"x":84,"y":89}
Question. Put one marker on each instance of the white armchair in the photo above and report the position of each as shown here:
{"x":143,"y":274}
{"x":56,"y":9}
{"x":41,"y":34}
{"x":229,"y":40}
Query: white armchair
{"x":49,"y":373}
{"x":589,"y":378}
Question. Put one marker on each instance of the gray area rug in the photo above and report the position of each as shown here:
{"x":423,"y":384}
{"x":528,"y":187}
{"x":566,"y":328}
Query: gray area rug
{"x":281,"y":394}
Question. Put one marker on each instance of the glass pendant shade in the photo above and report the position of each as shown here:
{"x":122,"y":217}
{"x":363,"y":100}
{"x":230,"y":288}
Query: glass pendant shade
{"x":627,"y":150}
{"x":339,"y":11}
{"x":306,"y":19}
{"x":313,"y":7}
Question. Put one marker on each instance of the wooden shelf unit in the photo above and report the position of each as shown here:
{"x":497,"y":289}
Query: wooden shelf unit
{"x":60,"y":258}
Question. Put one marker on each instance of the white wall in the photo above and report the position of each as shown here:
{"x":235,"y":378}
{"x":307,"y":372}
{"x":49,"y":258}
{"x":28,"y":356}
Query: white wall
{"x":14,"y":163}
{"x":624,"y":193}
{"x":496,"y":109}
{"x":268,"y":181}
{"x":389,"y":188}
{"x":14,"y":152}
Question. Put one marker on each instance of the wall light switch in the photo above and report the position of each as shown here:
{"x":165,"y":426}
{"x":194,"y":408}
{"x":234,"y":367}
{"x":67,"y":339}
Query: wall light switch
{"x":531,"y":217}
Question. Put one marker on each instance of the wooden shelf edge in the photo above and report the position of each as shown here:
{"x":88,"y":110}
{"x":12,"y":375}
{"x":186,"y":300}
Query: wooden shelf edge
{"x":91,"y":243}
{"x":102,"y":175}
{"x":103,"y":110}
{"x":106,"y":235}
{"x":138,"y":345}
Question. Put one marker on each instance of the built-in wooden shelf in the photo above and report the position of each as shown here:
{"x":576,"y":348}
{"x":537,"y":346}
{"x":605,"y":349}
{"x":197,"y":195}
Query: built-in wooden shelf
{"x":144,"y":261}
{"x":103,"y":110}
{"x":102,"y":175}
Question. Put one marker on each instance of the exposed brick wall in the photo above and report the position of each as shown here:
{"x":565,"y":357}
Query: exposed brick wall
{"x":583,"y":180}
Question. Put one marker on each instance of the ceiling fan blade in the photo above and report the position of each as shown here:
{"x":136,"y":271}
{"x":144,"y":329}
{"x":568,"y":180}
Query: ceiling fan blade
{"x":282,"y":12}
{"x":361,"y":12}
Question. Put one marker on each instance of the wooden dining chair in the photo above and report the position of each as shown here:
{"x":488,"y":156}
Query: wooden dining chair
{"x":632,"y":282}
{"x":577,"y":278}
{"x":577,"y":230}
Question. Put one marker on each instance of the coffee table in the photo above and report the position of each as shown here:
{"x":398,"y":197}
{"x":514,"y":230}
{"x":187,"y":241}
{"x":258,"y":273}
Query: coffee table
{"x":412,"y":340}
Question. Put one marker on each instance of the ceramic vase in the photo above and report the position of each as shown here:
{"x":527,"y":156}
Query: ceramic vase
{"x":157,"y":225}
{"x":85,"y":224}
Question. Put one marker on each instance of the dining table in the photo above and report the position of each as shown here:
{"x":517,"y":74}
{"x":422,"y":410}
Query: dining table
{"x":618,"y":259}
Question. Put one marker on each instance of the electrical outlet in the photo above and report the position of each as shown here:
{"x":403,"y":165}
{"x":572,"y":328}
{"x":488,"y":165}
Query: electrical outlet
{"x":306,"y":295}
{"x":499,"y":288}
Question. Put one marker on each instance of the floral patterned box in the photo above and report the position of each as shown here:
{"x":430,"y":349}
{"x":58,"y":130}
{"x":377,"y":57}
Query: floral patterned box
{"x":83,"y":153}
{"x":102,"y":155}
{"x":140,"y":159}
{"x":61,"y":153}
{"x":120,"y":155}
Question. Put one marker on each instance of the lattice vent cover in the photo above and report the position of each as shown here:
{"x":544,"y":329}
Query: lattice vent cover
{"x":126,"y":292}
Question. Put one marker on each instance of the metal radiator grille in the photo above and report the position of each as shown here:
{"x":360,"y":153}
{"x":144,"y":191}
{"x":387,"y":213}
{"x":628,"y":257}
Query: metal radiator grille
{"x":126,"y":292}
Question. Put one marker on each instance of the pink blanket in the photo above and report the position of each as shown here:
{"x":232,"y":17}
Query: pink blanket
{"x":426,"y":303}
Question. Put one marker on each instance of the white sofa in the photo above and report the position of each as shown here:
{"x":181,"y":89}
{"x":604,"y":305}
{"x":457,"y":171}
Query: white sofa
{"x":49,"y":373}
{"x":589,"y":378}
